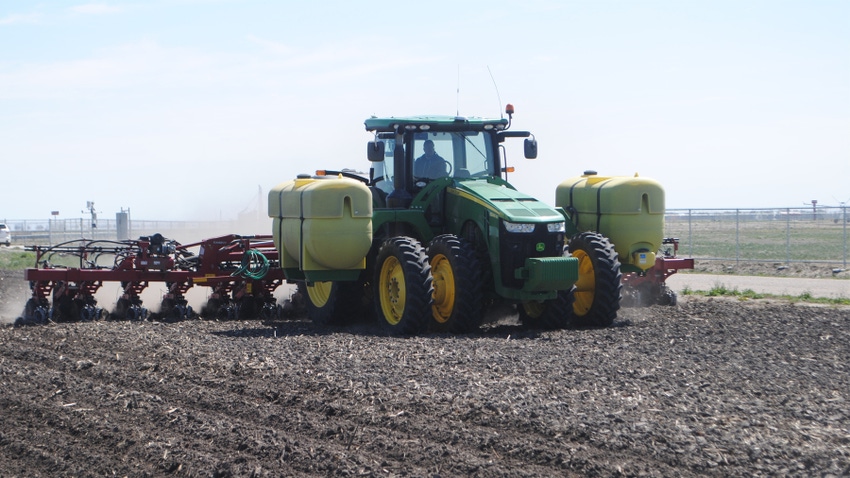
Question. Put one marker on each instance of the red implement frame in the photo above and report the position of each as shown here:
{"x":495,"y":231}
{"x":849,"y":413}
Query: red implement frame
{"x":242,"y":271}
{"x":650,"y":287}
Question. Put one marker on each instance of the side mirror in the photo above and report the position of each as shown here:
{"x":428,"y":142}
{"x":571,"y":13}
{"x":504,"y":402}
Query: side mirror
{"x":530,"y":148}
{"x":375,"y":151}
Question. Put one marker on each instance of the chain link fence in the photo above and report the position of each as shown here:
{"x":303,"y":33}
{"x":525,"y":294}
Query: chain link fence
{"x":780,"y":235}
{"x":55,"y":231}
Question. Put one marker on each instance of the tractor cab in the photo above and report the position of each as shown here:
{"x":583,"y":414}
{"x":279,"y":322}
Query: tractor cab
{"x":434,"y":155}
{"x":409,"y":153}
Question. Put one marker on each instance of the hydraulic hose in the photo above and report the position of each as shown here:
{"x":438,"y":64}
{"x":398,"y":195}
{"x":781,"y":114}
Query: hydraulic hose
{"x":256,"y":258}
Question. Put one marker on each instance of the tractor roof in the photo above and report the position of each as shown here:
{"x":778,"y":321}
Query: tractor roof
{"x":435,"y":123}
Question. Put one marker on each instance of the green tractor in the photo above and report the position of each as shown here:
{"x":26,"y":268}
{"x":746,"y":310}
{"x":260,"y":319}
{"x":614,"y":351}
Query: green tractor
{"x":436,"y":236}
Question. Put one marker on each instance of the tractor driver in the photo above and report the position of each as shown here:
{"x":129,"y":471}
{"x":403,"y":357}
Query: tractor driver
{"x":430,"y":165}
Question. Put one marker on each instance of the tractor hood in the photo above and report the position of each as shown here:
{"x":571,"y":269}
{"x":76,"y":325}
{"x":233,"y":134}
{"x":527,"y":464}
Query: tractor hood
{"x":506,"y":203}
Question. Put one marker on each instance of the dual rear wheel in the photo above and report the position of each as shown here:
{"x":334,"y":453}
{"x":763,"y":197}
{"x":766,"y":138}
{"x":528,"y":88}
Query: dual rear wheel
{"x":414,"y":289}
{"x":438,"y":289}
{"x":402,"y":286}
{"x":457,"y":298}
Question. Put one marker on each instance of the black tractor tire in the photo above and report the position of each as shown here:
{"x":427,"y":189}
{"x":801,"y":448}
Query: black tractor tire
{"x":599,"y":288}
{"x":550,"y":315}
{"x":402,"y":286}
{"x":331,"y":303}
{"x":457,"y":301}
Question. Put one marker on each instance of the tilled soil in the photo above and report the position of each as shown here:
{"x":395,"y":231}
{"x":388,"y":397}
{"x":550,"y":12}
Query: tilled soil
{"x":710,"y":387}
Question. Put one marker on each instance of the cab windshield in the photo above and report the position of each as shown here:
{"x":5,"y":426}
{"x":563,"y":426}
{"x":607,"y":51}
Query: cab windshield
{"x":463,"y":154}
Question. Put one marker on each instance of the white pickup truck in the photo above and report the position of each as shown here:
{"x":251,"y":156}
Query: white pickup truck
{"x":5,"y":235}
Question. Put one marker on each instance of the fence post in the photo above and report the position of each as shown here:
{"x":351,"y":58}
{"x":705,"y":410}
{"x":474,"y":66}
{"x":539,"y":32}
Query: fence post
{"x":737,"y":237}
{"x":844,"y":210}
{"x":788,"y":236}
{"x":690,"y":235}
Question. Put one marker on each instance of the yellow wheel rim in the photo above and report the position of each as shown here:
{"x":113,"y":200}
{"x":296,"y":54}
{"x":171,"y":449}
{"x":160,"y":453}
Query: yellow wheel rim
{"x":586,"y":284}
{"x":533,"y":308}
{"x":392,"y":290}
{"x":444,"y":288}
{"x":320,"y":293}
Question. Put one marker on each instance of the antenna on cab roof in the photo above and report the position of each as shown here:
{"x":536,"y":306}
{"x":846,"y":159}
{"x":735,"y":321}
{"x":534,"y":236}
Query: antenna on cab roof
{"x":457,"y":113}
{"x":498,"y":97}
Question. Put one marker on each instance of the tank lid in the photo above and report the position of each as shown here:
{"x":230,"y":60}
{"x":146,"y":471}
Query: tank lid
{"x":304,"y":176}
{"x":590,"y":172}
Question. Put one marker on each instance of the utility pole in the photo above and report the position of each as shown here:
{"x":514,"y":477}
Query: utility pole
{"x":90,"y":208}
{"x":814,"y":205}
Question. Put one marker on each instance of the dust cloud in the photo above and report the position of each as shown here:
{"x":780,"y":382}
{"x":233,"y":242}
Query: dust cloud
{"x":14,"y":293}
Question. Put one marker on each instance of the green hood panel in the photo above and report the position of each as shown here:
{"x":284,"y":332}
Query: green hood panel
{"x":506,"y":203}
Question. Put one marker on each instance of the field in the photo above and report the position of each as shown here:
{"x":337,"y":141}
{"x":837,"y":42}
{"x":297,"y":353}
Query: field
{"x":759,"y":236}
{"x":712,"y":387}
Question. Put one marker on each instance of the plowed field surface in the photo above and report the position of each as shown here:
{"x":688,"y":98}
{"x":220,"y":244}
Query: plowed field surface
{"x":711,"y":387}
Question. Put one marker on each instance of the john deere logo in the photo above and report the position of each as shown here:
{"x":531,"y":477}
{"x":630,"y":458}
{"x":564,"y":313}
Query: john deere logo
{"x":540,"y":247}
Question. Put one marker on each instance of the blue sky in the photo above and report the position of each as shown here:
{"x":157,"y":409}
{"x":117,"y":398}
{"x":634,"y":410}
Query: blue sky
{"x":183,"y":109}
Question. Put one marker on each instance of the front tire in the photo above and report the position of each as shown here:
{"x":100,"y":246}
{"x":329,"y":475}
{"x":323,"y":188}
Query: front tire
{"x":551,"y":314}
{"x":457,"y":302}
{"x":402,"y":286}
{"x":599,"y":289}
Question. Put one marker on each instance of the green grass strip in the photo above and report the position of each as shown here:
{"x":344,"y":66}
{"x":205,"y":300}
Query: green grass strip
{"x":721,"y":290}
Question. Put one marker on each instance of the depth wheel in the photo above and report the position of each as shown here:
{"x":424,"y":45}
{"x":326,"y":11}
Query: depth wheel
{"x":550,"y":314}
{"x":169,"y":310}
{"x":122,"y":308}
{"x":212,"y":308}
{"x":249,"y":307}
{"x":457,"y":302}
{"x":65,"y":309}
{"x":402,"y":286}
{"x":174,"y":310}
{"x":35,"y":312}
{"x":599,"y":289}
{"x":666,"y":296}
